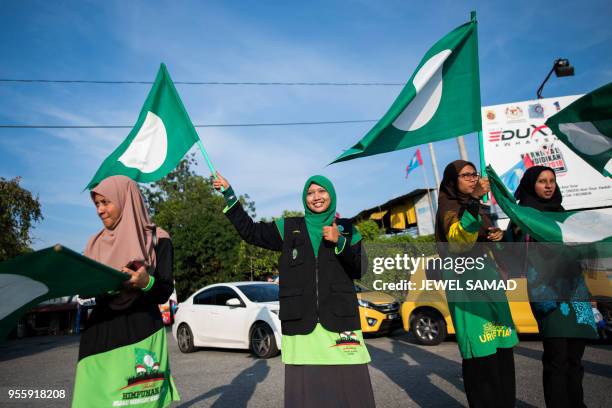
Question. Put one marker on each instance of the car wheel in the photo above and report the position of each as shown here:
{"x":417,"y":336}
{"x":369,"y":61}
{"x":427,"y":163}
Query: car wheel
{"x":429,"y":327}
{"x":184,"y":338}
{"x":262,"y":341}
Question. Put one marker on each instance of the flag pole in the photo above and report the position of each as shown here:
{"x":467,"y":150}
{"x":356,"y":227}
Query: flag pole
{"x":462,"y":150}
{"x":434,"y":166}
{"x":208,"y":162}
{"x":483,"y":164}
{"x":433,"y":220}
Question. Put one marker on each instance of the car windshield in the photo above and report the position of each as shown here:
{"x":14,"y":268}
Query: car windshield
{"x":260,"y":292}
{"x":359,"y":288}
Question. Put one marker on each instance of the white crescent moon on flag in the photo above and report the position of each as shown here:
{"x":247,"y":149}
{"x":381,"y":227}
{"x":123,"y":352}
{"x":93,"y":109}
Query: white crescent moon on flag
{"x":428,"y":84}
{"x":148,"y":149}
{"x":586,"y":226}
{"x":16,"y":291}
{"x":586,"y":137}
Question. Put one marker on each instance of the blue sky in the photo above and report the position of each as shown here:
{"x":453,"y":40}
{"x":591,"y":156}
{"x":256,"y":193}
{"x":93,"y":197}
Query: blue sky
{"x":326,"y":41}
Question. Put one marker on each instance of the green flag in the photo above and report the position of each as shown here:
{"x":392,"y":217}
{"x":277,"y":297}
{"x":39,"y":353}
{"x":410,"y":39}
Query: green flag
{"x":159,"y":140}
{"x":585,"y":126}
{"x":565,"y":227}
{"x":29,"y":279}
{"x":440,"y":101}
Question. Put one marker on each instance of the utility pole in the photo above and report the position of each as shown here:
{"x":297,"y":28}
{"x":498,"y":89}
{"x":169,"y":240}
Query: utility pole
{"x":462,"y":150}
{"x":434,"y":165}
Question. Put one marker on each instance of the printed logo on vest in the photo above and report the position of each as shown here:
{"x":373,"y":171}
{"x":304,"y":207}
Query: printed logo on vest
{"x":348,"y":342}
{"x":348,"y":338}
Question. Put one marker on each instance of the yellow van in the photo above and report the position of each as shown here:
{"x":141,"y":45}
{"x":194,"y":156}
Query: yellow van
{"x":378,"y":311}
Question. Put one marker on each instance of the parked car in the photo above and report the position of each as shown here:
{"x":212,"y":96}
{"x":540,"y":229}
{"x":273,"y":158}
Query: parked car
{"x":241,"y":315}
{"x":379,"y":312}
{"x":426,"y":315}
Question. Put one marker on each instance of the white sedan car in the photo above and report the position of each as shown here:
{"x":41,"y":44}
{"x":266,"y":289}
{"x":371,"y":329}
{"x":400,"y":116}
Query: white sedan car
{"x":241,"y":315}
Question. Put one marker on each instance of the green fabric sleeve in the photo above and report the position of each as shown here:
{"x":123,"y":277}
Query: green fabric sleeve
{"x":340,"y":245}
{"x":356,"y":236}
{"x":469,"y":222}
{"x":280,"y":225}
{"x":230,"y":199}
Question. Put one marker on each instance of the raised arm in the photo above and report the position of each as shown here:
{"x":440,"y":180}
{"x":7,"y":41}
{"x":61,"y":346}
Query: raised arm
{"x":262,"y":234}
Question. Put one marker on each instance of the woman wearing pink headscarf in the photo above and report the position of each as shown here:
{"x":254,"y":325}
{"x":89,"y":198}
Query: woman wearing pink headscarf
{"x":123,"y":354}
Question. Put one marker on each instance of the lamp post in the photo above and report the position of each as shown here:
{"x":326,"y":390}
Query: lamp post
{"x":562,"y":68}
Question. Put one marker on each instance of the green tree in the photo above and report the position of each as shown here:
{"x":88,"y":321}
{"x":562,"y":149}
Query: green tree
{"x":369,"y":230}
{"x":19,"y":210}
{"x":292,"y":213}
{"x":256,"y":263}
{"x":206,"y":245}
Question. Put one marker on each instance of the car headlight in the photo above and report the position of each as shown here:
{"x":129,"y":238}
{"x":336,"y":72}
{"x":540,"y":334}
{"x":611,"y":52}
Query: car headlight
{"x":363,"y":303}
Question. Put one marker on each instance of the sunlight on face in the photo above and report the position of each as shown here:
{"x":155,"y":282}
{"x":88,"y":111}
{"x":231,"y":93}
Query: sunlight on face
{"x":317,"y":198}
{"x":108,"y":212}
{"x":467,"y":180}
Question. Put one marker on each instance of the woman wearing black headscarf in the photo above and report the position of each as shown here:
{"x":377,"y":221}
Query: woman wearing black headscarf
{"x":564,"y":325}
{"x":483,"y":324}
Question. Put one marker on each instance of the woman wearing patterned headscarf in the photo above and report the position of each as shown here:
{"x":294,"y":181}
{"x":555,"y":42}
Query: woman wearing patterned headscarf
{"x":482,"y":320}
{"x":551,"y":277}
{"x":322,"y":344}
{"x":123,"y":356}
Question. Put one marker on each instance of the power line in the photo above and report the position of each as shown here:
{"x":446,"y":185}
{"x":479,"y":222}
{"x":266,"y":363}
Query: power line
{"x":334,"y":122}
{"x":103,"y":82}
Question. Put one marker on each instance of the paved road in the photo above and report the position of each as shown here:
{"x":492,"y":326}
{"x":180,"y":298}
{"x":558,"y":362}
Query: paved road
{"x":403,"y":374}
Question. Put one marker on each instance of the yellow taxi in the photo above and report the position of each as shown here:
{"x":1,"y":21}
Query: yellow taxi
{"x":427,"y":316}
{"x":378,"y":311}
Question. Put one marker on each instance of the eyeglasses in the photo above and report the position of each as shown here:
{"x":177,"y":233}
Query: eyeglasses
{"x":469,"y":176}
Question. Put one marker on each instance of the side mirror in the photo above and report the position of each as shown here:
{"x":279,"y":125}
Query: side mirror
{"x":233,"y":302}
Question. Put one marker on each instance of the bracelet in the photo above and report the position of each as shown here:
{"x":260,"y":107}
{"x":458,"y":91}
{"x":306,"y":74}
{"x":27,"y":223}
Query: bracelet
{"x":150,"y":284}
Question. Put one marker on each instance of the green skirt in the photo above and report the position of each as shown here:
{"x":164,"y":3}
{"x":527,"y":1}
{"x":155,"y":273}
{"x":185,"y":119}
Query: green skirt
{"x":123,"y":359}
{"x":482,"y":319}
{"x":133,"y":375}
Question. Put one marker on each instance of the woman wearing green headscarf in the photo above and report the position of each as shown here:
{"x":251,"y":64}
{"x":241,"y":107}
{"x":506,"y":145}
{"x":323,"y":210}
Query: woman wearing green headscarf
{"x":322,"y":345}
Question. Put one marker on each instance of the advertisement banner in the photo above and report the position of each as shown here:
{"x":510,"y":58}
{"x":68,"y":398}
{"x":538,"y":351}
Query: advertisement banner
{"x":516,"y":138}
